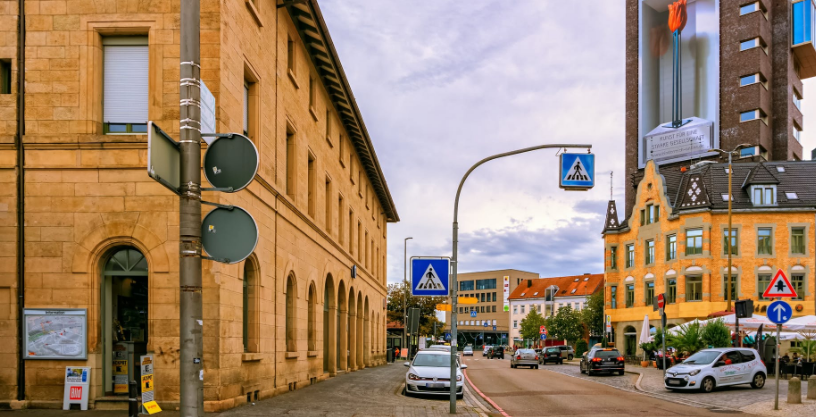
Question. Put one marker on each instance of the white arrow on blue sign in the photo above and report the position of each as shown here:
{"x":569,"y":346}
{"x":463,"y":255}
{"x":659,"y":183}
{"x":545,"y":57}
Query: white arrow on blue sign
{"x":577,"y":171}
{"x":543,"y":337}
{"x":430,"y":276}
{"x":779,"y":312}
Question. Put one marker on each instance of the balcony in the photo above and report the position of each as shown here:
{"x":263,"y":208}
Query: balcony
{"x":804,"y":31}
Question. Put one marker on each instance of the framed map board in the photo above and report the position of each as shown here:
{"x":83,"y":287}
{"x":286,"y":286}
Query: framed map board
{"x":59,"y":333}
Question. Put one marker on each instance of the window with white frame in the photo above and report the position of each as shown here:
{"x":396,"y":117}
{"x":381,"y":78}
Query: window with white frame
{"x":763,"y":195}
{"x":515,"y":324}
{"x":125,"y":84}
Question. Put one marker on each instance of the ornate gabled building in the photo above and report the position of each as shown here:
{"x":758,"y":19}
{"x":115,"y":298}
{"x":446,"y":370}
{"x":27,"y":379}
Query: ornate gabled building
{"x":675,"y":242}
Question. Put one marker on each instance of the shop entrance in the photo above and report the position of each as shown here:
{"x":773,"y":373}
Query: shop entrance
{"x":124,"y":318}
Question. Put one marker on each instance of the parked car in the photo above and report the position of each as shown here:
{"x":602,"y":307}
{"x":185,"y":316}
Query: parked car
{"x":468,"y":351}
{"x":710,"y":368}
{"x":495,"y":352}
{"x":524,"y":357}
{"x":551,"y":354}
{"x":566,"y":352}
{"x":486,"y":349}
{"x":429,"y":373}
{"x":602,"y":360}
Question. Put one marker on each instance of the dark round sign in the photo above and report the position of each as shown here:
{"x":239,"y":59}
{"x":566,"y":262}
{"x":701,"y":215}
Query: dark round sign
{"x":231,"y":162}
{"x":230,"y":236}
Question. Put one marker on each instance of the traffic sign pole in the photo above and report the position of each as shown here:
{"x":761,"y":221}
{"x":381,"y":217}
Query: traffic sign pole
{"x":776,"y":398}
{"x":455,"y":256}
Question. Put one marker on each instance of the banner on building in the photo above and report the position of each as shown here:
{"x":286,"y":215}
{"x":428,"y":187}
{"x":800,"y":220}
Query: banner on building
{"x":506,"y":293}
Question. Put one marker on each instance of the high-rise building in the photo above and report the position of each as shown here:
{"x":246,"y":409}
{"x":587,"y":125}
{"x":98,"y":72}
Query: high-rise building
{"x":741,"y":66}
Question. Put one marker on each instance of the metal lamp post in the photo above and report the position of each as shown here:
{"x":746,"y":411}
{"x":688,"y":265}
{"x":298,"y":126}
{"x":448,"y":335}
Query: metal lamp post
{"x":454,"y":264}
{"x":405,"y":292}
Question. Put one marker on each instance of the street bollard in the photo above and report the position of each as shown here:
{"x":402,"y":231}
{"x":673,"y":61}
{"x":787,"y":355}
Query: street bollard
{"x":811,"y":394}
{"x":795,"y":391}
{"x":133,"y":400}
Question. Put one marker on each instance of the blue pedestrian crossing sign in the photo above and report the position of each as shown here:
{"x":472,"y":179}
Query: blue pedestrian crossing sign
{"x":448,"y":337}
{"x":577,"y":171}
{"x":473,"y":313}
{"x":779,"y":312}
{"x":430,"y":276}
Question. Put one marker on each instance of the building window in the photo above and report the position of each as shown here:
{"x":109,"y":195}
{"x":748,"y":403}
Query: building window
{"x":694,"y":242}
{"x":649,"y":291}
{"x":650,"y":252}
{"x":494,"y":297}
{"x":798,"y":240}
{"x":329,"y":128}
{"x":755,"y":78}
{"x":328,"y":209}
{"x":763,"y":281}
{"x":734,"y":285}
{"x":751,"y":7}
{"x":797,"y":132}
{"x":291,"y":172}
{"x":630,"y":256}
{"x":481,"y":296}
{"x":613,"y":257}
{"x":351,"y":232}
{"x":522,"y":309}
{"x":763,"y":196}
{"x":515,"y":309}
{"x":630,"y":295}
{"x":652,"y":214}
{"x":734,"y":242}
{"x":312,"y":179}
{"x":797,"y":100}
{"x":798,"y":284}
{"x":515,"y":324}
{"x":803,"y":25}
{"x":250,"y":310}
{"x":486,"y":284}
{"x":694,"y":288}
{"x":360,"y":241}
{"x":481,"y":310}
{"x":466,"y":286}
{"x":351,"y":169}
{"x":291,"y":323}
{"x":311,"y":331}
{"x":494,"y":309}
{"x":752,"y":43}
{"x":342,"y":142}
{"x":613,"y":296}
{"x":290,"y":57}
{"x":312,"y":97}
{"x":671,"y":290}
{"x":671,"y":247}
{"x":125,"y":84}
{"x":755,"y":114}
{"x":5,"y":76}
{"x":765,"y":241}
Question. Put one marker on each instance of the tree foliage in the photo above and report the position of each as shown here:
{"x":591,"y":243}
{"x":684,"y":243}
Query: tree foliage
{"x":687,"y":338}
{"x":531,"y":325}
{"x":427,"y":308}
{"x":716,"y":334}
{"x":593,"y":313}
{"x":565,"y":325}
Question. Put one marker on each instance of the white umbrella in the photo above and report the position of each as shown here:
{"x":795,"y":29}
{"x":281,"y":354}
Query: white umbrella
{"x":802,"y":323}
{"x":644,"y":333}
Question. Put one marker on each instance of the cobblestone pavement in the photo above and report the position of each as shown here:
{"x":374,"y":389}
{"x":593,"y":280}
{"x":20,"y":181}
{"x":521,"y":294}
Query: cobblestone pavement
{"x":372,"y":392}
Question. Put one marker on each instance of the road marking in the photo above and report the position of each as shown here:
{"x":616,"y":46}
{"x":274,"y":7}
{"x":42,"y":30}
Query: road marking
{"x":475,"y":388}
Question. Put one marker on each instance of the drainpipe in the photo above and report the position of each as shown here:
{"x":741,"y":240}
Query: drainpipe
{"x":20,"y":194}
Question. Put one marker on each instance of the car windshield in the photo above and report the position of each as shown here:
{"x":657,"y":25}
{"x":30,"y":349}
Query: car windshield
{"x":702,"y":358}
{"x":468,"y":349}
{"x":606,"y":354}
{"x":432,"y":360}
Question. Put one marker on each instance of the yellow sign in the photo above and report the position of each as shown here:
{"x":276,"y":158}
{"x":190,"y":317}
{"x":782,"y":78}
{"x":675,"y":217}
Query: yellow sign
{"x":120,"y":367}
{"x":147,"y":383}
{"x":468,"y":300}
{"x":443,"y":307}
{"x":152,"y":407}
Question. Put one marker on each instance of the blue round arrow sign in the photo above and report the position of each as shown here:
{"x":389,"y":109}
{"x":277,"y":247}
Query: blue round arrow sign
{"x":779,"y":312}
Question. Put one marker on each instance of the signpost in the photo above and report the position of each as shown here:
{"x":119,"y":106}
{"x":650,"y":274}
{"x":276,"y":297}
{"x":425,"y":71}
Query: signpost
{"x":429,"y":276}
{"x":779,"y":312}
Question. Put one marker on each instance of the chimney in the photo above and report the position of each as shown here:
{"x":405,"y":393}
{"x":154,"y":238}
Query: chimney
{"x":529,"y":283}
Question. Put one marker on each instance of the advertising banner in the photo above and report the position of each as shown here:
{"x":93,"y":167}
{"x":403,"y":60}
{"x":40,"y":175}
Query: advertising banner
{"x":77,"y":381}
{"x":506,"y":287}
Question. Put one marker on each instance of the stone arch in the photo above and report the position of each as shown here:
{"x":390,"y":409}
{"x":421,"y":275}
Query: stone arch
{"x":367,"y":333}
{"x":352,"y":330}
{"x":311,"y":319}
{"x":99,"y":233}
{"x":342,"y":327}
{"x":360,"y":347}
{"x":329,"y":325}
{"x":251,"y":304}
{"x":291,"y":312}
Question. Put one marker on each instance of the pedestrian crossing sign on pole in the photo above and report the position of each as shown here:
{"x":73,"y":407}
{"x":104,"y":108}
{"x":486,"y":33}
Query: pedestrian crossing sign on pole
{"x":430,"y":276}
{"x":779,"y":287}
{"x":577,"y":171}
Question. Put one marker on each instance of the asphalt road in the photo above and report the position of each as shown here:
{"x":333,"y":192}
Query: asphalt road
{"x":539,"y":392}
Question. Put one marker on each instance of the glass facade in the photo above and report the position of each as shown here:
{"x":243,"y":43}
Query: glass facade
{"x":804,"y":21}
{"x":486,"y":284}
{"x":465,"y":285}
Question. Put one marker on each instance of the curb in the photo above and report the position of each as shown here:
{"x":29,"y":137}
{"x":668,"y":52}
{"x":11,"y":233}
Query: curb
{"x":485,"y":397}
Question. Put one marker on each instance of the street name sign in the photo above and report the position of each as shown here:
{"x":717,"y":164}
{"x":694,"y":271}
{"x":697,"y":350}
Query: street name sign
{"x":780,"y":286}
{"x":229,"y":235}
{"x":577,"y":171}
{"x":779,"y":312}
{"x":430,"y":276}
{"x":163,"y":158}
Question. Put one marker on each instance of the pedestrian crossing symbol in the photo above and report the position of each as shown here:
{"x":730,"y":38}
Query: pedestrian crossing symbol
{"x":430,"y":276}
{"x":577,"y":171}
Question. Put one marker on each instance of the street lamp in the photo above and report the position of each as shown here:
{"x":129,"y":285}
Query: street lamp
{"x":405,"y":293}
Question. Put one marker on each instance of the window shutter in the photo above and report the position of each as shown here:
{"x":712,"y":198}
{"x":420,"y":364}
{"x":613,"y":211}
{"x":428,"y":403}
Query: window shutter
{"x":125,"y":84}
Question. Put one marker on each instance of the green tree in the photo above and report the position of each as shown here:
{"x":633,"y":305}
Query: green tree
{"x":426,"y":305}
{"x":716,"y":334}
{"x":687,"y":338}
{"x":531,"y":325}
{"x":565,"y":325}
{"x":593,"y":314}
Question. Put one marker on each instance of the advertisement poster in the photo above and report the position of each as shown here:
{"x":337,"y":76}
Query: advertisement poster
{"x":506,"y":293}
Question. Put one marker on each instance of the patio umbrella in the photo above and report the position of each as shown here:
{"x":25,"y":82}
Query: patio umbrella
{"x":802,"y":323}
{"x":644,"y":333}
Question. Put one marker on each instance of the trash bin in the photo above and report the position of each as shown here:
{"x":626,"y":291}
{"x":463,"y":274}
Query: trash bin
{"x":389,"y":355}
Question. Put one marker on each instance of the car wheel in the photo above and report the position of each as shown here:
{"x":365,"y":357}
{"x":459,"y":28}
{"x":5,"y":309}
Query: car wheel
{"x":621,"y":372}
{"x":536,"y":366}
{"x":460,"y":396}
{"x":707,"y":385}
{"x":512,"y":366}
{"x":589,"y":372}
{"x":569,"y":358}
{"x":405,"y":392}
{"x":758,"y":381}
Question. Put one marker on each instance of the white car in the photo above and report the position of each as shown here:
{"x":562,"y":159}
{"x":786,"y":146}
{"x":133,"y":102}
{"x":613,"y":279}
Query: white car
{"x":429,"y":373}
{"x":468,"y":351}
{"x":710,"y":368}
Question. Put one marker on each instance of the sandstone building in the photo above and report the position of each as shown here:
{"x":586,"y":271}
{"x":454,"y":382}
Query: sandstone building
{"x":82,"y":226}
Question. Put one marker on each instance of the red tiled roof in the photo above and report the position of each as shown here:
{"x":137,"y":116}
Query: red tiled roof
{"x":565,"y":286}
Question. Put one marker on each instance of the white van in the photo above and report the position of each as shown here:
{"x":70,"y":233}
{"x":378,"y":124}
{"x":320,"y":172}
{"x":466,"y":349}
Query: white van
{"x":710,"y":368}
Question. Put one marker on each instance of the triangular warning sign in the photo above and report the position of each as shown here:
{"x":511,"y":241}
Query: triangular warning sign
{"x":430,"y":280}
{"x":577,"y":172}
{"x":779,"y":287}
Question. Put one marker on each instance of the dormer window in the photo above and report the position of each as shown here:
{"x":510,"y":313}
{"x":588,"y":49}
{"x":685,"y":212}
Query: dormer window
{"x":791,"y":196}
{"x":763,"y":195}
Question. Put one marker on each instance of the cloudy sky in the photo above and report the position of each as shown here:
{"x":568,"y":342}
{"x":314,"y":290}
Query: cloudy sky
{"x":444,"y":83}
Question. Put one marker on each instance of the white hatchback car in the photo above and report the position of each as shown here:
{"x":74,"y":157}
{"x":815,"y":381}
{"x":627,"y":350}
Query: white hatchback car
{"x":710,"y":368}
{"x":429,"y":373}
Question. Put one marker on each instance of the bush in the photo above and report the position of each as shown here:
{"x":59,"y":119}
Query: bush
{"x":716,"y":334}
{"x":580,"y":348}
{"x":687,"y":338}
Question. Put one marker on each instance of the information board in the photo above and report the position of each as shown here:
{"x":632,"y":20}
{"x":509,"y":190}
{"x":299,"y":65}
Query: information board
{"x":59,"y":333}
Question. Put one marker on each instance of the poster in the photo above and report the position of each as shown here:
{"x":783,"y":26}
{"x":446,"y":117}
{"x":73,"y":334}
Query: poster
{"x":506,"y":287}
{"x":120,"y":376}
{"x":55,"y":334}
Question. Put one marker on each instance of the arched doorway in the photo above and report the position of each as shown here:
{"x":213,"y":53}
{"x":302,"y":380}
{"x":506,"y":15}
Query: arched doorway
{"x":342,"y":328}
{"x":629,"y":340}
{"x":329,"y":323}
{"x":124,"y":303}
{"x":351,"y":335}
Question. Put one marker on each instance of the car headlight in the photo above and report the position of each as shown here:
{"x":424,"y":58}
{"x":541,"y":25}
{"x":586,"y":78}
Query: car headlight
{"x":458,"y":378}
{"x":694,"y":372}
{"x":413,"y":377}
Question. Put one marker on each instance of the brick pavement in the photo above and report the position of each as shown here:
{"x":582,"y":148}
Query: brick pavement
{"x":372,"y":392}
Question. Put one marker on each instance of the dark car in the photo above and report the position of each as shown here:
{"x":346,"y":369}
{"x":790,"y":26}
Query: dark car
{"x":495,"y":352}
{"x":551,"y":354}
{"x":602,"y":360}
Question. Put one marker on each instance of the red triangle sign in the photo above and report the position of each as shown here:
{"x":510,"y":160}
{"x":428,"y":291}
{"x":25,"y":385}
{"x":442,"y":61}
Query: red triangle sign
{"x":779,"y":287}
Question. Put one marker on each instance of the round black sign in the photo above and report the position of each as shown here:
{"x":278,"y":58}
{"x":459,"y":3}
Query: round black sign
{"x":230,"y":236}
{"x":231,"y":162}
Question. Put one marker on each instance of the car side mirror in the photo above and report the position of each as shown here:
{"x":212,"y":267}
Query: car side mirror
{"x":463,"y":367}
{"x":407,"y":363}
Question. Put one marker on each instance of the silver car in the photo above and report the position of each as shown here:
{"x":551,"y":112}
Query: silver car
{"x":429,"y":373}
{"x":524,"y":357}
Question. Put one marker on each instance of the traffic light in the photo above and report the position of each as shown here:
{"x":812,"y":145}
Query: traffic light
{"x":744,"y":308}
